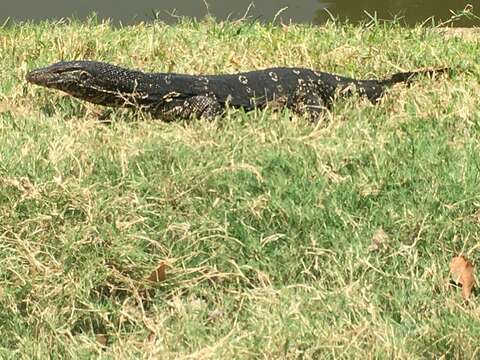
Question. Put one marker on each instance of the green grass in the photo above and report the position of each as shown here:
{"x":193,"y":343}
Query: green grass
{"x":266,"y":222}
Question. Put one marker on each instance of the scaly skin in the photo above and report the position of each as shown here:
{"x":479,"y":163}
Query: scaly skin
{"x":170,"y":96}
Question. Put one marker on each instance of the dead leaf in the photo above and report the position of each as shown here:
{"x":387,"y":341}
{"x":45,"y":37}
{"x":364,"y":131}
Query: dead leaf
{"x":158,"y":275}
{"x":4,"y":107}
{"x":462,"y":273}
{"x":102,"y":339}
{"x":215,"y":315}
{"x":379,"y":240}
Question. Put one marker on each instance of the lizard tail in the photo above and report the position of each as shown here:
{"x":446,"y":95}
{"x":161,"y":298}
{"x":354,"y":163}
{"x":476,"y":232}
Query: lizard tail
{"x":407,"y":77}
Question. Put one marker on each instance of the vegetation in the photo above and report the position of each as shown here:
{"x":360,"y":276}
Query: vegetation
{"x":282,"y":239}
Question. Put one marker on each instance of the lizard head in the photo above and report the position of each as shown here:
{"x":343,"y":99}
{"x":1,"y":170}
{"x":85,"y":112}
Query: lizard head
{"x":92,"y":81}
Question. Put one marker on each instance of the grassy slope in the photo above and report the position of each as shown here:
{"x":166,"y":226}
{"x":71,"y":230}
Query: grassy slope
{"x":266,"y":223}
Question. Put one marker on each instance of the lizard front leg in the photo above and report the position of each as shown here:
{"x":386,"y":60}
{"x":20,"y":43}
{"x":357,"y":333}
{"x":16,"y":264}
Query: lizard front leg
{"x":199,"y":106}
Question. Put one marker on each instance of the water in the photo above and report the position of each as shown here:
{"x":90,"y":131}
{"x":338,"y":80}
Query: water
{"x":299,"y":11}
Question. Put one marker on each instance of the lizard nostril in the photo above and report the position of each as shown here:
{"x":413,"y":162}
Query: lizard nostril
{"x":34,"y":77}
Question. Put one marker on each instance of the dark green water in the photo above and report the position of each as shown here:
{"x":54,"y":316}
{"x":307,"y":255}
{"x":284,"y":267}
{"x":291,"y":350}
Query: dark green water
{"x":299,"y":11}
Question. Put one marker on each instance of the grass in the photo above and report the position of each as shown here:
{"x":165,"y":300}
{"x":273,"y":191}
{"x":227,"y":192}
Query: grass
{"x":282,"y":239}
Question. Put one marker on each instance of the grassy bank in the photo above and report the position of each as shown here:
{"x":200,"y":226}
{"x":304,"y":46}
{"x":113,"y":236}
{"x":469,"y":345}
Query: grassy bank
{"x":281,"y":239}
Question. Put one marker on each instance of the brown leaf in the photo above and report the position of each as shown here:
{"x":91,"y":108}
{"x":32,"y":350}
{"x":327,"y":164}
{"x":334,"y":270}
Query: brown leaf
{"x":462,"y":273}
{"x":102,"y":339}
{"x":158,"y":275}
{"x":4,"y":107}
{"x":379,"y":240}
{"x":215,"y":315}
{"x":151,"y":337}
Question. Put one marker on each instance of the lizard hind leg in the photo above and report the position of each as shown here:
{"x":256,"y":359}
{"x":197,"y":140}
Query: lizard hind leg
{"x":307,"y":101}
{"x":201,"y":106}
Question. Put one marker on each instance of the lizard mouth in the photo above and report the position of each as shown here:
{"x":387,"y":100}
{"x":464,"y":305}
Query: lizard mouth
{"x":42,"y":77}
